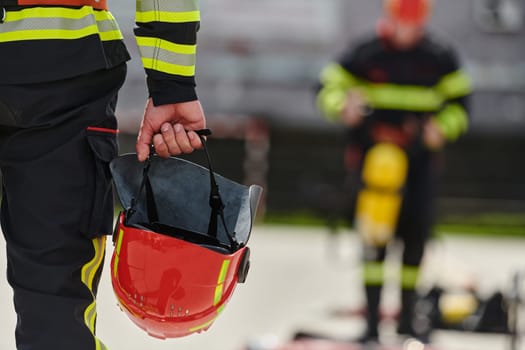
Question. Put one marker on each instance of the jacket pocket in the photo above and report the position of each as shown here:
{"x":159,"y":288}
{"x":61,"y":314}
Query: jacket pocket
{"x":97,"y":216}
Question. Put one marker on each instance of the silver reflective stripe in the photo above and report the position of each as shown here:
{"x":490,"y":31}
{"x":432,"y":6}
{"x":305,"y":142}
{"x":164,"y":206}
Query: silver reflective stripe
{"x":48,"y":24}
{"x":107,"y":25}
{"x":167,"y":56}
{"x":167,"y":5}
{"x":42,"y":23}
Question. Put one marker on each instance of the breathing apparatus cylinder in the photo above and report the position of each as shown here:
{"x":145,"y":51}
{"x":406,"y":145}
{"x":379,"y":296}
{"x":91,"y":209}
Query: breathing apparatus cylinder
{"x":379,"y":201}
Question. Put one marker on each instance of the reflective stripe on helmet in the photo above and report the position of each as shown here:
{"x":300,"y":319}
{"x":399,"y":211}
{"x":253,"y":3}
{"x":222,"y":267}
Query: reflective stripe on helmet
{"x":167,"y":57}
{"x":219,"y":289}
{"x":117,"y":252}
{"x":88,"y":272}
{"x":208,"y":323}
{"x":39,"y":23}
{"x":220,"y":282}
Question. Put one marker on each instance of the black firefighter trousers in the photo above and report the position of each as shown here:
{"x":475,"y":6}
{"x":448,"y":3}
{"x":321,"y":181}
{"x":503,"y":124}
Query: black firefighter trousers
{"x":56,"y":140}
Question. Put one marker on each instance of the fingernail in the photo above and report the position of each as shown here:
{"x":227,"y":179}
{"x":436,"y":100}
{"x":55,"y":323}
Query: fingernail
{"x":178,"y":128}
{"x":165,"y":128}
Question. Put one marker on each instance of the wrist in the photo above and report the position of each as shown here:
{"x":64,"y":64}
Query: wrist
{"x":164,"y":92}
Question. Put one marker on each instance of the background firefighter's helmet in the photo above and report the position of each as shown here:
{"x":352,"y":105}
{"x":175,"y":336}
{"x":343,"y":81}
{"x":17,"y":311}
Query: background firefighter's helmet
{"x":176,"y":260}
{"x":414,"y":12}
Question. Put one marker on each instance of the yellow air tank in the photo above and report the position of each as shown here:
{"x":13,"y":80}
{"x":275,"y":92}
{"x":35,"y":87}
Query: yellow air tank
{"x":379,"y":202}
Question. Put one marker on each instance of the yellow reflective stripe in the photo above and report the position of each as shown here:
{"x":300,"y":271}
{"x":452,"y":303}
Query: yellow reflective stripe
{"x":207,"y":323}
{"x":402,"y":97}
{"x":40,"y":23}
{"x":218,"y":295}
{"x":336,"y":82}
{"x":204,"y":325}
{"x":452,"y":121}
{"x":166,"y":56}
{"x":167,"y":17}
{"x":167,"y":67}
{"x":87,"y":276}
{"x":166,"y":45}
{"x":48,"y":34}
{"x":335,"y":74}
{"x":220,"y":282}
{"x":331,"y":101}
{"x":90,"y":316}
{"x":107,"y":26}
{"x":373,"y":273}
{"x":112,"y":35}
{"x":454,"y":85}
{"x":169,"y":5}
{"x":90,"y":269}
{"x":49,"y":12}
{"x":409,"y":276}
{"x":117,"y":252}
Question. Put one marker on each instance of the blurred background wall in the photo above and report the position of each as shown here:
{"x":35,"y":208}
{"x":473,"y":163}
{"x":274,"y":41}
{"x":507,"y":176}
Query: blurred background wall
{"x":258,"y":63}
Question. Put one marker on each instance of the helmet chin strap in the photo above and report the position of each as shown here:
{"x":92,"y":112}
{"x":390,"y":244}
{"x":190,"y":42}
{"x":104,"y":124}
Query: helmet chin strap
{"x":215,"y":200}
{"x":216,"y":204}
{"x":151,"y":207}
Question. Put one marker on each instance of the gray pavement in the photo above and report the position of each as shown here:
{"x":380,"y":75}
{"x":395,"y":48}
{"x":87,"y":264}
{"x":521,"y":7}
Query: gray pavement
{"x":298,"y":275}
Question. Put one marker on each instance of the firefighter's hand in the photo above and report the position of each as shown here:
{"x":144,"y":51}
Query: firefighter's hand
{"x":354,"y":110}
{"x":433,"y":137}
{"x":170,"y":129}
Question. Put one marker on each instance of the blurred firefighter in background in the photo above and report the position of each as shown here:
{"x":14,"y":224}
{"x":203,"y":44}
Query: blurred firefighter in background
{"x":402,"y":96}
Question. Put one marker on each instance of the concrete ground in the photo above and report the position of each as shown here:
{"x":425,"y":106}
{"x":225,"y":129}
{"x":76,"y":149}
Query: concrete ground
{"x":298,"y":276}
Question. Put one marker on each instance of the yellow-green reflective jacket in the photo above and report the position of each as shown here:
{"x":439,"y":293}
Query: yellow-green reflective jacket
{"x":425,"y":80}
{"x":45,"y":43}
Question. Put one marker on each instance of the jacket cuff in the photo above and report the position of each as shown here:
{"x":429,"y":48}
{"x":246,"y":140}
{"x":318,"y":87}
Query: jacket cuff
{"x":164,"y":92}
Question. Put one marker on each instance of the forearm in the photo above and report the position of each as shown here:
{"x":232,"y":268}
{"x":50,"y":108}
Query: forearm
{"x":453,"y":119}
{"x":166,"y":35}
{"x":335,"y":83}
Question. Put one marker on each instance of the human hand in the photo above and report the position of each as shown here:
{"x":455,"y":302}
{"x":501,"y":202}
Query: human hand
{"x":433,"y":137}
{"x":170,"y":128}
{"x":354,"y":109}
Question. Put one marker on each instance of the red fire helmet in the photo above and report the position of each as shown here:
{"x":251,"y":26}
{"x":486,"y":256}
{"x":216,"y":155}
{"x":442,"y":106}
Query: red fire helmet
{"x":180,"y":246}
{"x":413,"y":12}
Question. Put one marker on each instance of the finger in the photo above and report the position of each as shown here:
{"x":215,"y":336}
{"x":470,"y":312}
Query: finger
{"x":195,"y":140}
{"x":160,"y":146}
{"x":143,"y":143}
{"x":168,"y":134}
{"x":182,"y":139}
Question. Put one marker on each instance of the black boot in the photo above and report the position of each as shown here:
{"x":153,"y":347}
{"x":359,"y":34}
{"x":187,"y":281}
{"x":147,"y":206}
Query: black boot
{"x":414,"y":320}
{"x":373,"y":295}
{"x":406,"y":316}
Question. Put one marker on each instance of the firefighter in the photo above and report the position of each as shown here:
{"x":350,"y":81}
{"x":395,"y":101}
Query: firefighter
{"x":402,"y":96}
{"x":63,"y":64}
